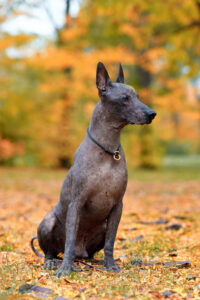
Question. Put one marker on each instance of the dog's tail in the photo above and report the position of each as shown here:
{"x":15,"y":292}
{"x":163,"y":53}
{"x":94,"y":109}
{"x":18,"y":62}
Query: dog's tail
{"x":33,"y":248}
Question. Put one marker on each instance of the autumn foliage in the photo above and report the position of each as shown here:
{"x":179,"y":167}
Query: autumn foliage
{"x":47,"y":98}
{"x":157,"y":243}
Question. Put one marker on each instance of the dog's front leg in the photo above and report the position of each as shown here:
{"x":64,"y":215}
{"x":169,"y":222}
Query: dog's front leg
{"x":113,"y":222}
{"x":72,"y":222}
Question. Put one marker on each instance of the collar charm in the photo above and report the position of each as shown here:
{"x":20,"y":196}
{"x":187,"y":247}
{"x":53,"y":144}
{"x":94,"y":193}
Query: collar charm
{"x":117,"y":155}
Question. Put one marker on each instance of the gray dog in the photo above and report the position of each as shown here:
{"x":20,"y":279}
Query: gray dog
{"x":87,"y":216}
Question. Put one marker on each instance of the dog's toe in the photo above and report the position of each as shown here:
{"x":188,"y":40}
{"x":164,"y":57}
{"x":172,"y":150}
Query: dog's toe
{"x":63,"y":271}
{"x":52,"y":264}
{"x":66,"y":270}
{"x":113,"y":269}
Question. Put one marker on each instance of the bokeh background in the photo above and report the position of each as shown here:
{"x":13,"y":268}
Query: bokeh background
{"x":48,"y":55}
{"x":49,"y":50}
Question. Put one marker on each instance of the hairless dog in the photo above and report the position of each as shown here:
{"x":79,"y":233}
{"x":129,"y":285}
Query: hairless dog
{"x":88,"y":213}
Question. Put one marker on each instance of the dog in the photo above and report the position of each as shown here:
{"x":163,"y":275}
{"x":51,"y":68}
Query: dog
{"x":87,"y":216}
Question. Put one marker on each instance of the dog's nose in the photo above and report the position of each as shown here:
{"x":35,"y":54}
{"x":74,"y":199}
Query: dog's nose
{"x":152,"y":115}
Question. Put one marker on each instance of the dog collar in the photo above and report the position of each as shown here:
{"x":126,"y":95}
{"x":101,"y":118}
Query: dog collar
{"x":116,"y":154}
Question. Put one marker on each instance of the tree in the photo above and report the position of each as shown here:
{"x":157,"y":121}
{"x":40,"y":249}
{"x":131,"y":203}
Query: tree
{"x":156,"y":43}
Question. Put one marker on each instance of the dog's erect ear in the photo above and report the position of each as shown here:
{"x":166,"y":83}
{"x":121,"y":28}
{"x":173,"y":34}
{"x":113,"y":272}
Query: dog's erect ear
{"x":102,"y":78}
{"x":120,"y":75}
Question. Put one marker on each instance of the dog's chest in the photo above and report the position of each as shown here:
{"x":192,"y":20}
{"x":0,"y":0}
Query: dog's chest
{"x":108,"y":184}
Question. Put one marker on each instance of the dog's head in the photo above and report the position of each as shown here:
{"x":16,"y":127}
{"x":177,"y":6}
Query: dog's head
{"x":121,"y":100}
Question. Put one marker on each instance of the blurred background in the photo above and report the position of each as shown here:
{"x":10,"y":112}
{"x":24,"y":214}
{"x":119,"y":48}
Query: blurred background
{"x":48,"y":55}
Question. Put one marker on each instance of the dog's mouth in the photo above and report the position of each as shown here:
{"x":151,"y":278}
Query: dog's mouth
{"x":148,"y":122}
{"x":141,"y":122}
{"x":145,"y":122}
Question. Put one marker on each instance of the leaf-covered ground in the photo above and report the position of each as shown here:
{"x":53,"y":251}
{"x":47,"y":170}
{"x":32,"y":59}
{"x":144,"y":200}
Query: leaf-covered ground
{"x":157,"y":246}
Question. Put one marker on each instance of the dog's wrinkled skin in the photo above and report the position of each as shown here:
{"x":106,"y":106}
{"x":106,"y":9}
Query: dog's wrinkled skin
{"x":87,"y":216}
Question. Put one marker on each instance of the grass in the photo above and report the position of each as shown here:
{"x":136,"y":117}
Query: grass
{"x":166,"y":173}
{"x":170,"y":193}
{"x":180,"y":161}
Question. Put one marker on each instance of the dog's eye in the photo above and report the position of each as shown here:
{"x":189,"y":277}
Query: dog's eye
{"x":125,"y":98}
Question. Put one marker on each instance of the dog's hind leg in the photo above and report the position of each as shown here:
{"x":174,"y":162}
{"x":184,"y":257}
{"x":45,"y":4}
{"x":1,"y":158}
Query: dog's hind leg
{"x":47,"y":232}
{"x":51,"y":263}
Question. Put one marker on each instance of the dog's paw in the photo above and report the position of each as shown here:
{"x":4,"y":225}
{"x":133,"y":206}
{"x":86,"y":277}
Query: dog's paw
{"x":63,"y":271}
{"x":113,"y":268}
{"x":52,"y":264}
{"x":66,"y":270}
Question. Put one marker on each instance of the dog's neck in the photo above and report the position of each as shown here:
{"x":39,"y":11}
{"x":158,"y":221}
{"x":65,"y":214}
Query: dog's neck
{"x":104,"y":129}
